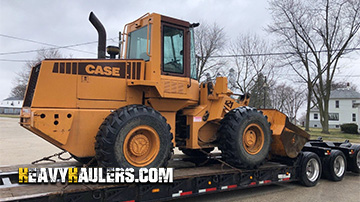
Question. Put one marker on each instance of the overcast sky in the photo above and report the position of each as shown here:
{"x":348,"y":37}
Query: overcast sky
{"x":65,"y":22}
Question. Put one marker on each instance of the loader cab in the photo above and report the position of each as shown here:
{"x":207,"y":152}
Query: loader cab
{"x":166,"y":44}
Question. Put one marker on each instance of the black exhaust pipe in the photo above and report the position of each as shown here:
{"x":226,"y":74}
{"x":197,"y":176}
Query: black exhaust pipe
{"x":102,"y":35}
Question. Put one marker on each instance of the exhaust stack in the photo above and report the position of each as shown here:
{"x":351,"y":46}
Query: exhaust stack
{"x":102,"y":35}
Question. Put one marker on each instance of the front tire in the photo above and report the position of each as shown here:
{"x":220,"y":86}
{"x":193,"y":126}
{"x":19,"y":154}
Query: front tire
{"x":245,"y":137}
{"x":134,"y":136}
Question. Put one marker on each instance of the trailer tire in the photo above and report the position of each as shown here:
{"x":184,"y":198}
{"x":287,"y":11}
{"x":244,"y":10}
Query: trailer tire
{"x":134,"y":136}
{"x":334,"y":166}
{"x":310,"y":169}
{"x":245,"y":137}
{"x":354,"y":161}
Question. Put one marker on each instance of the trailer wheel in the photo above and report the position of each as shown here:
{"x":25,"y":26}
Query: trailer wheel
{"x":134,"y":136}
{"x":245,"y":137}
{"x":354,"y":162}
{"x":310,"y":169}
{"x":334,"y":166}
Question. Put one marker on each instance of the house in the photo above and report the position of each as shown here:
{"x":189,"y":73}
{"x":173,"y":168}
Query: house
{"x":344,"y":107}
{"x":11,"y":105}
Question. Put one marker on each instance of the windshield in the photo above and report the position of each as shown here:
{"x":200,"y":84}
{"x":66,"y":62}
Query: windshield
{"x":137,"y":41}
{"x":173,"y":46}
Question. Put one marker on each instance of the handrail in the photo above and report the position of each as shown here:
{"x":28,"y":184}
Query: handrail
{"x":125,"y":33}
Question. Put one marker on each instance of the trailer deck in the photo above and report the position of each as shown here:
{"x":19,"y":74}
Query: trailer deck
{"x":188,"y":180}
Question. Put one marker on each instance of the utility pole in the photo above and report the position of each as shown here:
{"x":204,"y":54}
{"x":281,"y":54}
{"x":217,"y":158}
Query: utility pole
{"x":265,"y":87}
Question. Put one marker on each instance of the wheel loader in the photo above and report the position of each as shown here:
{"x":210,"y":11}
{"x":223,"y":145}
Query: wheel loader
{"x":130,"y":109}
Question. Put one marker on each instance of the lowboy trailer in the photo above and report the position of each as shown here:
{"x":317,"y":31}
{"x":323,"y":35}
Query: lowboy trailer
{"x":331,"y":159}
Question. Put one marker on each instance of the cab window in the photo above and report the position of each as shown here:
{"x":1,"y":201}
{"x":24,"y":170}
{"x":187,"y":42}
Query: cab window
{"x":137,"y":41}
{"x":173,"y":50}
{"x":193,"y":68}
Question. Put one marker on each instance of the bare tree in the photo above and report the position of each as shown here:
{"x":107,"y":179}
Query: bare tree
{"x":209,"y":41}
{"x":287,"y":100}
{"x":278,"y":96}
{"x":21,"y":80}
{"x":320,"y":33}
{"x":343,"y":84}
{"x":250,"y":61}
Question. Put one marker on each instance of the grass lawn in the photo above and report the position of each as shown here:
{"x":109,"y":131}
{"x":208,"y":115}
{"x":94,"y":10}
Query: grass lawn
{"x":335,"y":135}
{"x":9,"y":116}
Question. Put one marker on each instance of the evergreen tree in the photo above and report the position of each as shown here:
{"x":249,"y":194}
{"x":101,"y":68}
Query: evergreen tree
{"x":260,"y":95}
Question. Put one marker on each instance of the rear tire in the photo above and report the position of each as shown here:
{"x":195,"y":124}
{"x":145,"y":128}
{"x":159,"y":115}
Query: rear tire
{"x":334,"y":166}
{"x":134,"y":136}
{"x":310,"y":169}
{"x":354,"y":161}
{"x":245,"y":137}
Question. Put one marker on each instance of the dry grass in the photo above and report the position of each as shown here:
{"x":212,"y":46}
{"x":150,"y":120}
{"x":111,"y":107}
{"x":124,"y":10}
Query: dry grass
{"x":9,"y":116}
{"x":335,"y":135}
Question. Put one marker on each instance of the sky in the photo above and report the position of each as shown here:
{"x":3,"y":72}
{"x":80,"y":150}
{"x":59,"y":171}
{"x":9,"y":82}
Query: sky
{"x":65,"y":22}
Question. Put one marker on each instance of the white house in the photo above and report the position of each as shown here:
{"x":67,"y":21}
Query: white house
{"x":344,"y":107}
{"x":11,"y":105}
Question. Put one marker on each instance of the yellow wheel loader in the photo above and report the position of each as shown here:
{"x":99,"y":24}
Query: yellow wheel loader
{"x":131,"y":112}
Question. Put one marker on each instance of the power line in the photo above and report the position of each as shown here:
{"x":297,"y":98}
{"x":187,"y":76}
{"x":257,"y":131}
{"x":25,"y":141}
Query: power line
{"x":42,"y":43}
{"x":35,"y":50}
{"x":337,"y":75}
{"x":10,"y":60}
{"x":55,"y":46}
{"x":215,"y":56}
{"x":278,"y":53}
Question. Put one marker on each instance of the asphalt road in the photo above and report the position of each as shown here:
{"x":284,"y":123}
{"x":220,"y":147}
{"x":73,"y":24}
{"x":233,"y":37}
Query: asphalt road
{"x":19,"y":146}
{"x":347,"y":190}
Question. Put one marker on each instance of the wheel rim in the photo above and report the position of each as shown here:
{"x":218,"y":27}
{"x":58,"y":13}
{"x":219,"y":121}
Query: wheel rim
{"x":358,"y":159}
{"x":253,"y":139}
{"x":141,"y":146}
{"x":339,"y":166}
{"x":312,"y":170}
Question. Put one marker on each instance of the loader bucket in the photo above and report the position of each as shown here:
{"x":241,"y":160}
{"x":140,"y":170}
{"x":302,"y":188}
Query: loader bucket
{"x":287,"y":138}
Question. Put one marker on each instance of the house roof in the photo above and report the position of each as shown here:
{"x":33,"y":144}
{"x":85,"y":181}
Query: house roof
{"x":344,"y":94}
{"x":13,"y":98}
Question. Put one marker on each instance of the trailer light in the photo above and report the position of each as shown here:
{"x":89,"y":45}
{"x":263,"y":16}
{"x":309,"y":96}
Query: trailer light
{"x":155,"y":190}
{"x":351,"y":151}
{"x":251,"y":177}
{"x":327,"y":153}
{"x":209,"y":182}
{"x":287,"y":173}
